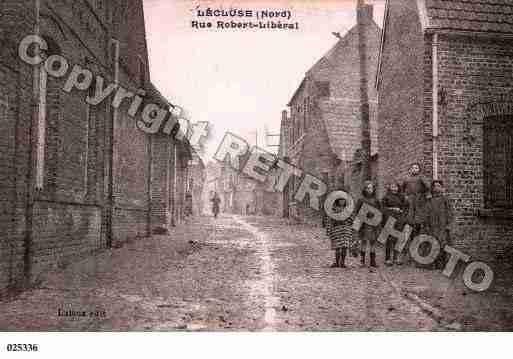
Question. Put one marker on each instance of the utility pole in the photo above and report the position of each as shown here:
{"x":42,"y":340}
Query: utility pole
{"x":362,"y":22}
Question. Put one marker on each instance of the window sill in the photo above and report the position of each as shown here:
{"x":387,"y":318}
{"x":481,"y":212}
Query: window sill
{"x":496,"y":213}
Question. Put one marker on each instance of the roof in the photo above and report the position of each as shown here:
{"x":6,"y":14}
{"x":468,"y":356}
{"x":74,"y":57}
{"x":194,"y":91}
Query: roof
{"x":469,"y":15}
{"x":298,"y":90}
{"x":334,"y":127}
{"x":474,"y":16}
{"x":329,"y":55}
{"x":343,"y":41}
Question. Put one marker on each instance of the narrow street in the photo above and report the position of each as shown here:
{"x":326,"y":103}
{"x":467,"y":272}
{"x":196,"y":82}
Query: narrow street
{"x":233,"y":273}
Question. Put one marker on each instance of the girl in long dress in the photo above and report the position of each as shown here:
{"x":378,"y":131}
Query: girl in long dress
{"x":340,"y":234}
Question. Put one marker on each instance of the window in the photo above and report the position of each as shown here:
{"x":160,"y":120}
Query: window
{"x":323,"y":88}
{"x":4,"y":105}
{"x":42,"y":80}
{"x":90,"y":116}
{"x":498,"y":162}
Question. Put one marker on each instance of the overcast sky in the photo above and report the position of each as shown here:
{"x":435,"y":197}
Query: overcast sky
{"x":240,"y":80}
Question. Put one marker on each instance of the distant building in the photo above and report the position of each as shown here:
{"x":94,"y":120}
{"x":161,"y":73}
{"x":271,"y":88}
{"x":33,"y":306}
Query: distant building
{"x":244,"y":195}
{"x":446,"y":101}
{"x":237,"y":190}
{"x":197,"y":178}
{"x":322,"y":132}
{"x":213,"y":172}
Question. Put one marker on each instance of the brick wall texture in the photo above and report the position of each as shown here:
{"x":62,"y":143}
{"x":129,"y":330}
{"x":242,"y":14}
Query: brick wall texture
{"x":322,"y":133}
{"x":101,"y":183}
{"x":475,"y":82}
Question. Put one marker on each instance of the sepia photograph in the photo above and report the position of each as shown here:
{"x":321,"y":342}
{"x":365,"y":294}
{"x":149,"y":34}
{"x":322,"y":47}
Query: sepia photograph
{"x":275,"y":173}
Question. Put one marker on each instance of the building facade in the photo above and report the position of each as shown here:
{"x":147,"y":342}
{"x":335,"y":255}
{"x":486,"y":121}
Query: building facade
{"x":243,"y":195}
{"x":76,"y":178}
{"x":446,"y":101}
{"x":197,"y":178}
{"x":321,"y":133}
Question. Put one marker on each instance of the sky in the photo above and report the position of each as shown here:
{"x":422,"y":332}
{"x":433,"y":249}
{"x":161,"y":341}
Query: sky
{"x":240,"y":80}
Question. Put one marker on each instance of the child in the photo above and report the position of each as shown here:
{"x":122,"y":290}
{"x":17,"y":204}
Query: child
{"x":394,"y":205}
{"x":340,"y":234}
{"x":416,"y":190}
{"x":439,"y":219}
{"x":368,"y":234}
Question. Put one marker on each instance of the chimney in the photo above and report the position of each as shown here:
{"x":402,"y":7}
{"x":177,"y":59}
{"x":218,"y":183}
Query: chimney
{"x":365,"y":12}
{"x":284,"y":115}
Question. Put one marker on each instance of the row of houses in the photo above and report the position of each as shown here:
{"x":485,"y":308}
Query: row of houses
{"x":239,"y":193}
{"x":77,"y":178}
{"x":439,"y":91}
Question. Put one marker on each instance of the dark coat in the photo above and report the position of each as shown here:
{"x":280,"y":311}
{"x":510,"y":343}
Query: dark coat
{"x":416,"y":190}
{"x":439,"y":219}
{"x":395,"y":205}
{"x":366,"y":232}
{"x":215,"y":204}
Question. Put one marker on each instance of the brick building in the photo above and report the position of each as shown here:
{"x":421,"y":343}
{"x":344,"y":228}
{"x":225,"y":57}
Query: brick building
{"x":236,"y":189}
{"x":197,"y":178}
{"x":446,"y":100}
{"x":75,"y":178}
{"x":243,"y":195}
{"x":170,"y":162}
{"x":322,"y":132}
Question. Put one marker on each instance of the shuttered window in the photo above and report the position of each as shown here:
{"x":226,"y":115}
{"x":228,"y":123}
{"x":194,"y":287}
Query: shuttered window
{"x":498,"y":158}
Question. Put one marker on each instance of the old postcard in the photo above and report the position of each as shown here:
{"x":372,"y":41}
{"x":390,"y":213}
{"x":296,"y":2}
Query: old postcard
{"x":247,"y":166}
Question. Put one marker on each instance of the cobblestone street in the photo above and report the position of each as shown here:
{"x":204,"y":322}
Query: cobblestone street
{"x":236,"y":273}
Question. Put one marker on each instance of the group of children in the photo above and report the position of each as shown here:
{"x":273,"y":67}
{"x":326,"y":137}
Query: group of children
{"x":416,"y":202}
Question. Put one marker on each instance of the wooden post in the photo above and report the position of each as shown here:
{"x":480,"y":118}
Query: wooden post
{"x":362,"y":23}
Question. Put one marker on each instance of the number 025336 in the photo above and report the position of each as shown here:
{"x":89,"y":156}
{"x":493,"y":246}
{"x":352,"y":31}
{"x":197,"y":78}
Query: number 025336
{"x":22,"y":347}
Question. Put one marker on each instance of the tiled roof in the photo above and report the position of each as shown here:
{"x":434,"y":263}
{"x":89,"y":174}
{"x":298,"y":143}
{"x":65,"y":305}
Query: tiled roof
{"x":470,"y":15}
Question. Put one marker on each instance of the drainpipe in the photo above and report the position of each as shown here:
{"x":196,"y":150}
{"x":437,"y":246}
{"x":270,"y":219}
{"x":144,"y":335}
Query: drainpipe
{"x":435,"y":106}
{"x":364,"y":16}
{"x":29,"y":209}
{"x":114,"y":44}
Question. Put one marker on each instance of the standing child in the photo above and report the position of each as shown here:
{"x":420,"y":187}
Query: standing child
{"x":416,"y":188}
{"x":340,"y":234}
{"x":394,"y":205}
{"x":439,"y":219}
{"x":368,"y":234}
